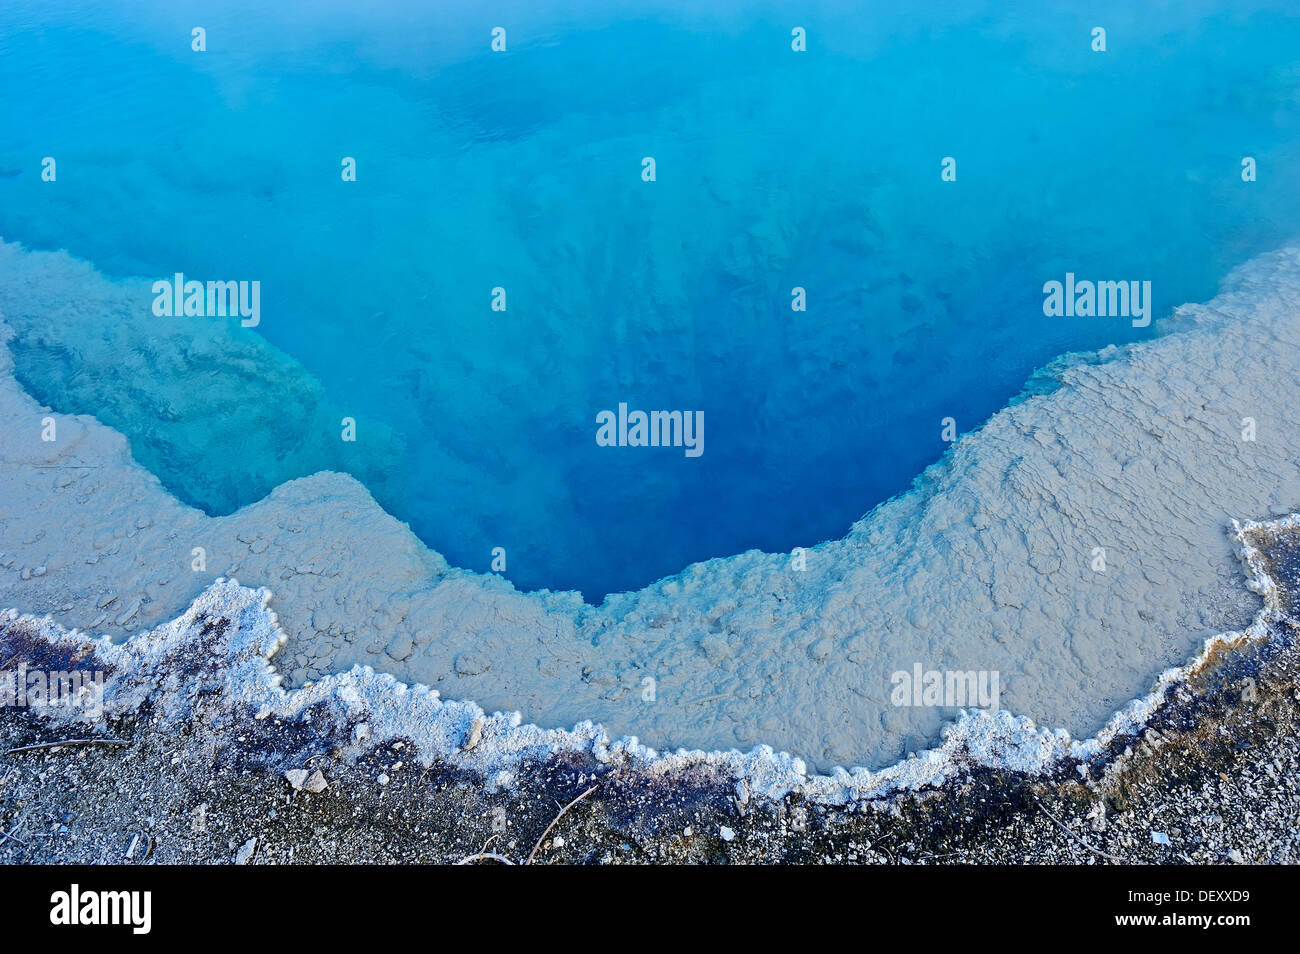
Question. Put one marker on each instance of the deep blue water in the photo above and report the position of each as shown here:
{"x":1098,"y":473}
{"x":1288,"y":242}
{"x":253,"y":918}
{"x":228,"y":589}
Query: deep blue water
{"x":522,"y":169}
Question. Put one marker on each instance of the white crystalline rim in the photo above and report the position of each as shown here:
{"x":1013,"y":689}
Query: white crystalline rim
{"x":440,"y":728}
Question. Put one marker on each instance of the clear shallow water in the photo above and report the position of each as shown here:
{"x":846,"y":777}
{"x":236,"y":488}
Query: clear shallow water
{"x":522,"y":170}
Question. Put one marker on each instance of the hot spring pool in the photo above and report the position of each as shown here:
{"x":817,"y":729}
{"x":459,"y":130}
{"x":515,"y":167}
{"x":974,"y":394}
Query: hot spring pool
{"x":486,"y":178}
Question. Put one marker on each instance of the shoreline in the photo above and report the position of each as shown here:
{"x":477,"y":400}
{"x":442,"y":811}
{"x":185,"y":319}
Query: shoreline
{"x":233,"y":628}
{"x":1208,"y":777}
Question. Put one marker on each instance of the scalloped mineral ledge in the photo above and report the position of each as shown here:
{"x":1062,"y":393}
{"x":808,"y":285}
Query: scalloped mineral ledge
{"x":984,"y":565}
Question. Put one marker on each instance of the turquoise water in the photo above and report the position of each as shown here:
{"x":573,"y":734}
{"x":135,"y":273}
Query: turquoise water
{"x":522,"y":169}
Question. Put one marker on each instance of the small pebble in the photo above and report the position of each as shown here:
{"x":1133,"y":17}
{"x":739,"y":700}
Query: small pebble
{"x":246,"y":851}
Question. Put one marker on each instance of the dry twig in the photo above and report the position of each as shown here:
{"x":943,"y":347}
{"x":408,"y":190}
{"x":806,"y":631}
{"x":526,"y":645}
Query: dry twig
{"x":1061,"y":825}
{"x":56,"y":745}
{"x":554,"y":820}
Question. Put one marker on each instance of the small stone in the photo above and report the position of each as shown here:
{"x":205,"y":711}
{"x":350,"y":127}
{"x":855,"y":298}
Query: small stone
{"x":558,"y":841}
{"x":726,"y":833}
{"x":316,"y":784}
{"x":1235,"y":857}
{"x":383,"y":779}
{"x":296,"y":778}
{"x":246,"y":851}
{"x":1159,"y":838}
